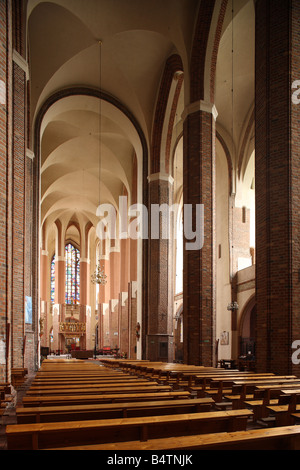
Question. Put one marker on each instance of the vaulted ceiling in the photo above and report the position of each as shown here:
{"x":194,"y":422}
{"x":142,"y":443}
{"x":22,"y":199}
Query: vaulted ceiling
{"x":137,"y":38}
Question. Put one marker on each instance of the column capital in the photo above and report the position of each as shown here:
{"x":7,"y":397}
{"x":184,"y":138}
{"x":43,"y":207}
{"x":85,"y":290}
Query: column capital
{"x":200,"y":106}
{"x":21,"y":62}
{"x":60,"y":258}
{"x":30,"y":154}
{"x":162,"y":177}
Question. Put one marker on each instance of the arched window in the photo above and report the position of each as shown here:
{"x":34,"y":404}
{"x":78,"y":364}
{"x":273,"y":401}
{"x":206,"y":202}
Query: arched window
{"x":72,"y":256}
{"x":52,"y":280}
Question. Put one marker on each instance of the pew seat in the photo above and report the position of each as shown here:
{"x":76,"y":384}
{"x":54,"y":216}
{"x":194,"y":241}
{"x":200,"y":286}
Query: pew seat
{"x":99,"y":390}
{"x":278,"y":438}
{"x":111,"y":410}
{"x":102,"y":398}
{"x":48,"y":435}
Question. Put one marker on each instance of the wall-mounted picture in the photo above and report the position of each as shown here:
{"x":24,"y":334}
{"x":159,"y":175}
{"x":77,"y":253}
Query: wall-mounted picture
{"x":28,"y":309}
{"x":224,"y":341}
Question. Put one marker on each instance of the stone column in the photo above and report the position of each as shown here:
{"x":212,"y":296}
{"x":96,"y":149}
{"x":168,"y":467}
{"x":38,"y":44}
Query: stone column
{"x":199,"y":282}
{"x":277,"y":148}
{"x":60,"y":276}
{"x":123,"y":298}
{"x":44,"y":287}
{"x":85,"y":306}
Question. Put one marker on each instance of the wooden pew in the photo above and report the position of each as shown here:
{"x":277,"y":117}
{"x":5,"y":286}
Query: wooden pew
{"x":114,"y":363}
{"x":255,"y":392}
{"x":220,"y":387}
{"x":111,"y":410}
{"x":49,"y":378}
{"x":79,"y":381}
{"x":100,"y":390}
{"x":285,"y":411}
{"x":74,"y":380}
{"x":251,"y":385}
{"x":237,"y":379}
{"x":103,"y":398}
{"x":91,"y":384}
{"x":279,"y":438}
{"x":213,"y":379}
{"x":6,"y":387}
{"x":260,"y":407}
{"x":257,"y":388}
{"x":170,"y":372}
{"x":65,"y":377}
{"x":205,"y":377}
{"x":18,"y":376}
{"x":47,"y":435}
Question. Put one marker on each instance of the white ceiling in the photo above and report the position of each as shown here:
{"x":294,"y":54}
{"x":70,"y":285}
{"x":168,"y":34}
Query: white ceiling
{"x":137,"y":38}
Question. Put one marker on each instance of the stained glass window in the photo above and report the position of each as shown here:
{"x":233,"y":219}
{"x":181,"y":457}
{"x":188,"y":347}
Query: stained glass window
{"x":52,"y":280}
{"x":72,"y":256}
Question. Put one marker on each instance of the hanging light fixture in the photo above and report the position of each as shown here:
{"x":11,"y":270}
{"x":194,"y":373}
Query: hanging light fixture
{"x":233,"y":305}
{"x":99,"y":277}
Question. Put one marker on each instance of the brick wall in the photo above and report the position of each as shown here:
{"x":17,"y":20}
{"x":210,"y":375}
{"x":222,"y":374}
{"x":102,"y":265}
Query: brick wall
{"x":13,"y":119}
{"x":4,"y":78}
{"x":18,"y":211}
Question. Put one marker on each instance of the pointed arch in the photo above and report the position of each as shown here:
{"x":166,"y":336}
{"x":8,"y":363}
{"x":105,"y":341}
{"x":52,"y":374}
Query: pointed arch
{"x":173,"y":65}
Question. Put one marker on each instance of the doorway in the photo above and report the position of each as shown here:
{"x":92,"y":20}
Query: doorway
{"x":248,"y":331}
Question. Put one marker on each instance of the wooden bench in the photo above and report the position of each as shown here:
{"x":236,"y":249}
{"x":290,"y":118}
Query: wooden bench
{"x":237,"y":401}
{"x":18,"y":376}
{"x":106,"y":373}
{"x":118,"y":362}
{"x":6,"y":386}
{"x":244,"y":387}
{"x":285,"y":410}
{"x":68,"y":381}
{"x":248,"y":378}
{"x":279,"y":438}
{"x":212,"y":379}
{"x":47,"y":435}
{"x":99,"y":390}
{"x":219,"y":387}
{"x":261,"y":395}
{"x":71,"y":376}
{"x":206,"y":377}
{"x":217,"y":393}
{"x":35,"y":388}
{"x":111,"y":410}
{"x":260,"y":408}
{"x":103,"y":398}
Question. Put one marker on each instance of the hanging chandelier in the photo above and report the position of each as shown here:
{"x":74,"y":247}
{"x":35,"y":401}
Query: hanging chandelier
{"x":232,"y":306}
{"x":99,"y":277}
